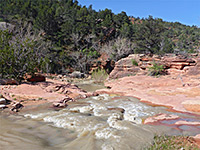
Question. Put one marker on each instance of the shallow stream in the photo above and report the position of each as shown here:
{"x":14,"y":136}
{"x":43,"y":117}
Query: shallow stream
{"x":104,"y":122}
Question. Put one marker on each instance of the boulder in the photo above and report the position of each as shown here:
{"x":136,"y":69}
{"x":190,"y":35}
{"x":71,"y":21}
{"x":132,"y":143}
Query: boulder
{"x":17,"y":107}
{"x":77,"y":74}
{"x":120,"y":74}
{"x":60,"y":105}
{"x":195,"y":70}
{"x":35,"y":78}
{"x":125,"y":67}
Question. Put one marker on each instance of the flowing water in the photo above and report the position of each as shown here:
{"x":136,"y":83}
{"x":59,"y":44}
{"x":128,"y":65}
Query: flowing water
{"x":104,"y":122}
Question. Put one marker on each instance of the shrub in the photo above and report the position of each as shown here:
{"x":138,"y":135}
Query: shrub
{"x":173,"y":142}
{"x":21,"y":52}
{"x":118,"y":48}
{"x":156,"y":69}
{"x":99,"y":75}
{"x":134,"y":62}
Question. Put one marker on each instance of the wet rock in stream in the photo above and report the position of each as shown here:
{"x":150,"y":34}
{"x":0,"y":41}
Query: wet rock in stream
{"x":16,"y":107}
{"x":2,"y":101}
{"x":2,"y":106}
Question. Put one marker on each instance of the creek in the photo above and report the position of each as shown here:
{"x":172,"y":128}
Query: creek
{"x":104,"y":122}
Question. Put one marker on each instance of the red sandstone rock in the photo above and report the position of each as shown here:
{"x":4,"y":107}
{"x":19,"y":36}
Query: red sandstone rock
{"x":179,"y":65}
{"x":146,"y":59}
{"x":192,"y":105}
{"x":197,"y":139}
{"x":163,"y":91}
{"x":8,"y":82}
{"x":124,"y":67}
{"x":35,"y":78}
{"x":160,"y":117}
{"x":48,"y":92}
{"x":182,"y":122}
{"x":196,"y":69}
{"x":178,"y":62}
{"x":103,"y":62}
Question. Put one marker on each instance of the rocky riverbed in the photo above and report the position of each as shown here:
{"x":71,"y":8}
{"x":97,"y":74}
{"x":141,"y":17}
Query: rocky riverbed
{"x":125,"y":115}
{"x":107,"y":121}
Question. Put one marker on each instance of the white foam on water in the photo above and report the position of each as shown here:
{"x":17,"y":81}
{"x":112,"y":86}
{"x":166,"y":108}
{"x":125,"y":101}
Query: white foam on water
{"x":132,"y":118}
{"x":134,"y":112}
{"x":38,"y":116}
{"x":98,"y":109}
{"x":82,"y":109}
{"x":56,"y":122}
{"x":106,"y":147}
{"x":72,"y":121}
{"x":114,"y":120}
{"x":106,"y":133}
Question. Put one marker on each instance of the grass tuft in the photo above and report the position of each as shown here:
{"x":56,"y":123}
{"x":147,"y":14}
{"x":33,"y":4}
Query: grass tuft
{"x":99,"y":75}
{"x":173,"y":143}
{"x":134,"y":62}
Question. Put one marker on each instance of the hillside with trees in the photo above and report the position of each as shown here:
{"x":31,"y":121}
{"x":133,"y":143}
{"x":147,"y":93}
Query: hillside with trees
{"x":64,"y":34}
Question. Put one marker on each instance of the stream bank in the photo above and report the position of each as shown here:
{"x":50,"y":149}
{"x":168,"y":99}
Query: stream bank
{"x":107,"y":121}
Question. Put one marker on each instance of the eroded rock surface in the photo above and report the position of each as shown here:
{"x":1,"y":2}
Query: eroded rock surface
{"x":164,"y":91}
{"x":51,"y":91}
{"x":197,"y":139}
{"x":160,"y":117}
{"x":136,"y":64}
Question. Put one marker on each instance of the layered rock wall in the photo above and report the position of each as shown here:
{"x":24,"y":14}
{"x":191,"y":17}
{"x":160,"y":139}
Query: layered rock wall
{"x":171,"y":63}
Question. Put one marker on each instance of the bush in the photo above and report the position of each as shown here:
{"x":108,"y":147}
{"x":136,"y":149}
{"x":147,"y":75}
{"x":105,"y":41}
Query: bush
{"x":99,"y":75}
{"x":21,"y":52}
{"x":134,"y":62}
{"x":173,"y":142}
{"x":156,"y":69}
{"x":118,"y":48}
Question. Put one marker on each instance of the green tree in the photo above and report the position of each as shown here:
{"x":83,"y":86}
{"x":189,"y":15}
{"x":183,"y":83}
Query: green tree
{"x":148,"y":35}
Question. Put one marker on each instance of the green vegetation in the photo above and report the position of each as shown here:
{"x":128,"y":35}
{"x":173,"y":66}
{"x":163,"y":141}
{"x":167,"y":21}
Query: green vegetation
{"x":134,"y":62}
{"x":156,"y":69}
{"x":77,"y":35}
{"x":173,"y":142}
{"x":20,"y":52}
{"x":99,"y":75}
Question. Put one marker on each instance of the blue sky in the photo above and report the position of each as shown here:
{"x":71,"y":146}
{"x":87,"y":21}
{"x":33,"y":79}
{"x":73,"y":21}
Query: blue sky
{"x":183,"y":11}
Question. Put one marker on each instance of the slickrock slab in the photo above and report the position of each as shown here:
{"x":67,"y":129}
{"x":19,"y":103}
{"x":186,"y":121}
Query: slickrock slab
{"x":50,"y":91}
{"x":192,"y":105}
{"x":169,"y":91}
{"x":182,"y":122}
{"x":160,"y":117}
{"x":197,"y":139}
